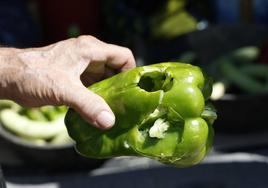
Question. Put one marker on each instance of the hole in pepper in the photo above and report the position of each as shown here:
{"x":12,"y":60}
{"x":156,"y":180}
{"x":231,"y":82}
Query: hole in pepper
{"x":155,"y":81}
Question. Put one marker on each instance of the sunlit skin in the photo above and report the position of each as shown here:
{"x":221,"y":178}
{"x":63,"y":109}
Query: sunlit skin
{"x":59,"y":73}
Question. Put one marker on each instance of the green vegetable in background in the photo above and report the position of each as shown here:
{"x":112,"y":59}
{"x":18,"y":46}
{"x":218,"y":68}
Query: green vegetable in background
{"x":44,"y":125}
{"x":239,"y":69}
{"x":161,"y":112}
{"x":173,"y":20}
{"x":245,"y":80}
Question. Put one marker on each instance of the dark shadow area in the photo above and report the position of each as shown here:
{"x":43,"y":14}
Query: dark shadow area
{"x":222,"y":175}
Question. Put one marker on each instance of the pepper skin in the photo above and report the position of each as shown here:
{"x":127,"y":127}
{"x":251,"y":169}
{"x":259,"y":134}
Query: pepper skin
{"x":161,"y":113}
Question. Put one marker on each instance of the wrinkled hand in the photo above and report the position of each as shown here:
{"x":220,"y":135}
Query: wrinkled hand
{"x":57,"y":74}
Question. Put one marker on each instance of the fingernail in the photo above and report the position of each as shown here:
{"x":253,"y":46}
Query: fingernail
{"x":105,"y":119}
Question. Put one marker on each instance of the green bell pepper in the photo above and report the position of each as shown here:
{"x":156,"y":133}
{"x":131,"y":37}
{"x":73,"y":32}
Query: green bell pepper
{"x":160,"y":113}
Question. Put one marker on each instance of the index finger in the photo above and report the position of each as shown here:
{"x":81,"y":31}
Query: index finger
{"x":120,"y":58}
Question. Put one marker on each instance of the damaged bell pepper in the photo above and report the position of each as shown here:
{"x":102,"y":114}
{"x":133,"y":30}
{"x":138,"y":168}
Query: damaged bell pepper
{"x":161,"y":113}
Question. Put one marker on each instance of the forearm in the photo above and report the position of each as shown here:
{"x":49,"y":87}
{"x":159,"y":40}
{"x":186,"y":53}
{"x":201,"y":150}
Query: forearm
{"x":9,"y":70}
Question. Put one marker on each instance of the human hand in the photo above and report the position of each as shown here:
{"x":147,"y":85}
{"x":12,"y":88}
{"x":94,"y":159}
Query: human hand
{"x":59,"y":73}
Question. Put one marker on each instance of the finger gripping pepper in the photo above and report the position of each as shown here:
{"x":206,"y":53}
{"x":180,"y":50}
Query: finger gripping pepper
{"x":160,"y":111}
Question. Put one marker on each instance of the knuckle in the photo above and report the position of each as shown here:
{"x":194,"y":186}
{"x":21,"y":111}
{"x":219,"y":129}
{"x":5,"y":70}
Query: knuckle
{"x":128,"y":51}
{"x":85,"y":40}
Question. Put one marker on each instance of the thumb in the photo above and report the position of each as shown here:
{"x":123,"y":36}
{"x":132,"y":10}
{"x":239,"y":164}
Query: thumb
{"x":91,"y":107}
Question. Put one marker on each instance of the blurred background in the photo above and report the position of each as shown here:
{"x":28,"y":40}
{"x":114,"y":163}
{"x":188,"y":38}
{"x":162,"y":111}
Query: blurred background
{"x":228,"y":39}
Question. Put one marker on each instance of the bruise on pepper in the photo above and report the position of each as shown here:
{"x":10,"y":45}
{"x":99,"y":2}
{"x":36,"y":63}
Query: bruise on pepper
{"x":161,"y":110}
